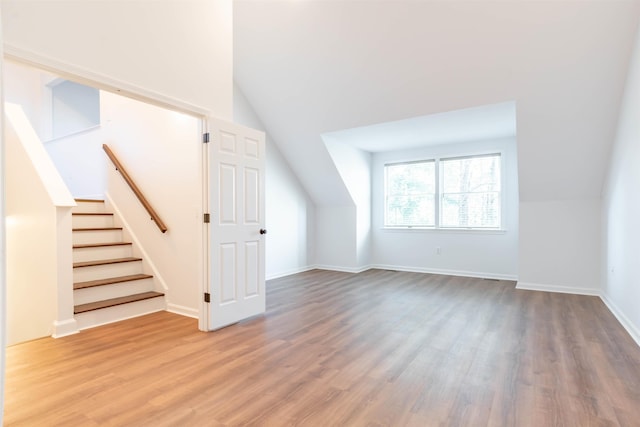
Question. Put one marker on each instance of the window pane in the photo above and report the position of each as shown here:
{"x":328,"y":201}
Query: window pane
{"x":477,"y":210}
{"x":471,"y":192}
{"x":410,"y":194}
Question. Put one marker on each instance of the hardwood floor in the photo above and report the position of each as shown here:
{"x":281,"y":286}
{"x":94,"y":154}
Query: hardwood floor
{"x":379,"y":348}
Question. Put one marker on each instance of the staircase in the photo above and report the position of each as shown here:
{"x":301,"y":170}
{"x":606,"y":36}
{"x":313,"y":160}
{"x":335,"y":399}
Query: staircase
{"x":109,"y":282}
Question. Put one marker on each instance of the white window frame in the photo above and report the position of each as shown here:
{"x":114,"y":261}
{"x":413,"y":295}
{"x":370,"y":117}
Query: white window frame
{"x":438,"y":195}
{"x":441,"y":188}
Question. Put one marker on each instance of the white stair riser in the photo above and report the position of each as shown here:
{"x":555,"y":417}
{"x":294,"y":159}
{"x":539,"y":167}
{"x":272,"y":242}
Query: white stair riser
{"x":88,"y":207}
{"x":102,"y":252}
{"x":119,"y":312}
{"x":97,"y":272}
{"x":92,"y":221}
{"x":115,"y":290}
{"x":99,"y":236}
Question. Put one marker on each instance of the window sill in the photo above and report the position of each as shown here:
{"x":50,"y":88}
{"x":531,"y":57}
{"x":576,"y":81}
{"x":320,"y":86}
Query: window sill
{"x":484,"y":231}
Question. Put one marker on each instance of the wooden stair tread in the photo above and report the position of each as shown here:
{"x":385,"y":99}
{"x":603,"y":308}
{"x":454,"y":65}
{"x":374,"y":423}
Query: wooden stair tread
{"x":83,"y":308}
{"x":105,"y":262}
{"x":89,"y":200}
{"x":110,"y":281}
{"x":98,"y":245}
{"x":91,"y":213}
{"x":97,"y":229}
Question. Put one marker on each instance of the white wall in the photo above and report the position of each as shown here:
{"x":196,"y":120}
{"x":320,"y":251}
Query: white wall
{"x":290,"y":212}
{"x":81,"y":162}
{"x":621,"y":210}
{"x":176,"y":49}
{"x":490,"y":254}
{"x":560,"y":246}
{"x":337,"y":238}
{"x":39,"y":274}
{"x":354,"y":166}
{"x":162,"y":152}
{"x":3,"y":253}
{"x":25,"y":86}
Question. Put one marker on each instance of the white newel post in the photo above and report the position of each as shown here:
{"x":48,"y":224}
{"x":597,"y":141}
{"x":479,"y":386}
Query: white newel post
{"x":65,"y":323}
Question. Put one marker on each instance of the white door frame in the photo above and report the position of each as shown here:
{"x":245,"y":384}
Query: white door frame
{"x":102,"y":82}
{"x":203,"y":318}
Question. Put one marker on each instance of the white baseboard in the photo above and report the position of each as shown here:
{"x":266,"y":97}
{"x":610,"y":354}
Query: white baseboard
{"x":461,"y":273}
{"x":290,"y":272}
{"x":183,"y":311}
{"x":90,"y":196}
{"x":341,"y":269}
{"x":555,"y":288}
{"x":476,"y":274}
{"x":624,"y":320}
{"x":64,"y":328}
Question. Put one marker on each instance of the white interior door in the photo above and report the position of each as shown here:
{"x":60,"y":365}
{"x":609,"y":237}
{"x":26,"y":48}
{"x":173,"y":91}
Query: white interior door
{"x":237,"y":246}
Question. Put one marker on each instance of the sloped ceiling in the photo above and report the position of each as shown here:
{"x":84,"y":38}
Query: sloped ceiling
{"x":468,"y":125}
{"x":312,"y":67}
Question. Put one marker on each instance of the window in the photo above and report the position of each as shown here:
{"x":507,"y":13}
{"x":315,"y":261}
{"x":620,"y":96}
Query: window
{"x":471,"y":192}
{"x":410,"y":194}
{"x":455,"y":192}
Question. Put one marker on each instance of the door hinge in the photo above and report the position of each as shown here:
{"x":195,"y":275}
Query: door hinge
{"x":205,"y":137}
{"x":207,"y":218}
{"x":207,"y":297}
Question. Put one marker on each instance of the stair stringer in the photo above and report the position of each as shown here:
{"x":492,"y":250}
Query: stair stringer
{"x":147,"y":263}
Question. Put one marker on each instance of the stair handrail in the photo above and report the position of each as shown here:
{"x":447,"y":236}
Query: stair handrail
{"x":154,"y":216}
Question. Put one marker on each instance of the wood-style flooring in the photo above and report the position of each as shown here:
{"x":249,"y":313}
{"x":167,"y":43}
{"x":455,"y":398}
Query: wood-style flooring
{"x":380,"y":348}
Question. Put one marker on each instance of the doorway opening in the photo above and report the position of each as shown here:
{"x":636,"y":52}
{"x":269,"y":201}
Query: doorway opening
{"x":161,"y":148}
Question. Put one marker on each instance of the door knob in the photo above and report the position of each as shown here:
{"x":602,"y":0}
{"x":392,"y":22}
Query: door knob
{"x":263,"y":231}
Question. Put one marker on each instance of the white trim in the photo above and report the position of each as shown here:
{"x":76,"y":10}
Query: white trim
{"x":205,"y":277}
{"x":341,"y":269}
{"x":55,"y":81}
{"x":72,"y":134}
{"x":100,"y":81}
{"x":559,"y":289}
{"x":90,"y":197}
{"x":620,"y":316}
{"x":3,"y":247}
{"x":461,"y":273}
{"x":290,"y":272}
{"x":136,"y":241}
{"x":183,"y":311}
{"x":64,"y":328}
{"x":407,"y":229}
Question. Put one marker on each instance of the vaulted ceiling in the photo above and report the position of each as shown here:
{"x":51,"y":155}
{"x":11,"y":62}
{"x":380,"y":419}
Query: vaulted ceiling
{"x":312,"y":67}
